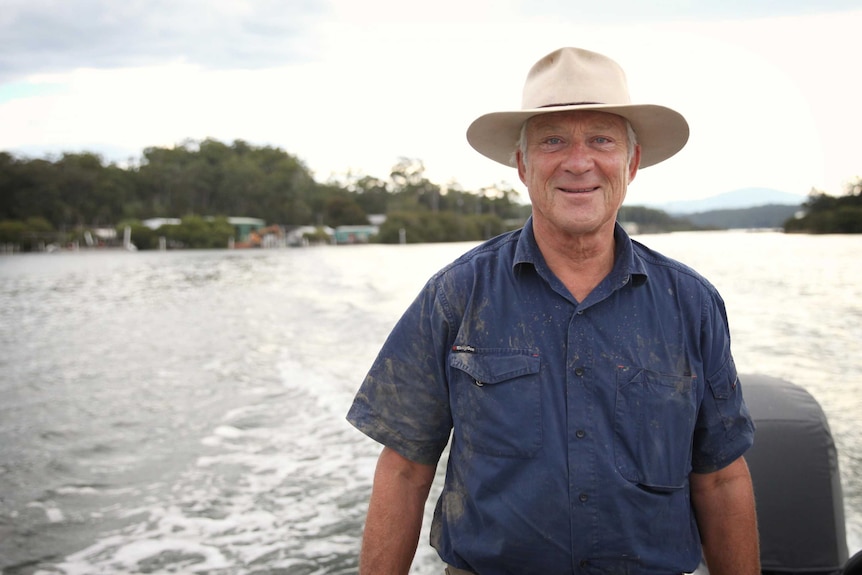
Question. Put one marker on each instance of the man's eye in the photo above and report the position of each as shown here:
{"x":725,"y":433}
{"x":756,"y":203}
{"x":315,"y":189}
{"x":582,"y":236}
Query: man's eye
{"x":554,"y":141}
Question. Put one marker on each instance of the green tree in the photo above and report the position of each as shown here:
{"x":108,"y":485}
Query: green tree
{"x":411,"y":189}
{"x":142,"y":237}
{"x":30,"y":233}
{"x":342,"y":210}
{"x":826,"y":214}
{"x":650,"y":220}
{"x":429,"y":227}
{"x":12,"y":232}
{"x":207,"y":178}
{"x":372,"y":195}
{"x":196,"y":232}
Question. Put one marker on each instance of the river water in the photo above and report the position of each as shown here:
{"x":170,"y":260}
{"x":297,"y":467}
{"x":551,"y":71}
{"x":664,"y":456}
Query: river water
{"x":183,"y":412}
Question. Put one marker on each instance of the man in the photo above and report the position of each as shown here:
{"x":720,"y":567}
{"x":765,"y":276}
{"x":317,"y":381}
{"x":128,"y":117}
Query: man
{"x":597,"y":422}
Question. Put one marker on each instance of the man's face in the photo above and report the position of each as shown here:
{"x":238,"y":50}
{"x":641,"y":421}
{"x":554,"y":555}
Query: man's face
{"x":576,"y":169}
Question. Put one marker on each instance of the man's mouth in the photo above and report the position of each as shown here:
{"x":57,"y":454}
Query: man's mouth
{"x":578,"y":190}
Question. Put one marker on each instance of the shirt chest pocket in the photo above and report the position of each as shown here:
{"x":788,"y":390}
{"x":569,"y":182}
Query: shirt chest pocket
{"x":653,"y":428}
{"x":497,"y":404}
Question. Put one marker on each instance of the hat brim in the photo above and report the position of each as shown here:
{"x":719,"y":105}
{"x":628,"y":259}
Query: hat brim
{"x":661,"y":132}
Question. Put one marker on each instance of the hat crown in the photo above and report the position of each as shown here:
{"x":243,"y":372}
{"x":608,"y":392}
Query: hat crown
{"x":574,"y":80}
{"x":571,"y":76}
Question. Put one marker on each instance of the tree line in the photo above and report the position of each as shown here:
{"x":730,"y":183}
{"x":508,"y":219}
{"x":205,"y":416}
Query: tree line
{"x":206,"y":181}
{"x":825,"y":214}
{"x":62,"y":199}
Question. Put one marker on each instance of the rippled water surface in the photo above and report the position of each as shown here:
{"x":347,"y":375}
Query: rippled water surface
{"x":183,"y":412}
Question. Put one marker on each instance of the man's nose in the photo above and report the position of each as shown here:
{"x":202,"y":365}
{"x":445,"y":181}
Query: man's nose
{"x":577,"y":159}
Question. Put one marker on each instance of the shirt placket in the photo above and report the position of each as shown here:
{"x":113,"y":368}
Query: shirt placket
{"x":581,"y":440}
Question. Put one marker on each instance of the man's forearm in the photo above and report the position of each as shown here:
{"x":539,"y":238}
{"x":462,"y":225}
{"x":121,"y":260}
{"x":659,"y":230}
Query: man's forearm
{"x":394,"y":515}
{"x":724,"y":505}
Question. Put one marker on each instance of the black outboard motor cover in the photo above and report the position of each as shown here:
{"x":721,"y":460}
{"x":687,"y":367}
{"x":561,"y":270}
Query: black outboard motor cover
{"x":794,"y":466}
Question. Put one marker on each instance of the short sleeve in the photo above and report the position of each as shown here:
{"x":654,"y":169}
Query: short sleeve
{"x":724,"y":430}
{"x":403,"y":402}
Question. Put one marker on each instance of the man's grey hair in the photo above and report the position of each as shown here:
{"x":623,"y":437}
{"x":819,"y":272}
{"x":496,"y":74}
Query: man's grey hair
{"x":521,"y":144}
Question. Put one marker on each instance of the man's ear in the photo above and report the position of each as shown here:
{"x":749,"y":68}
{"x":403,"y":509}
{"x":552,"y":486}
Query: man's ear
{"x":522,"y":169}
{"x":634,"y":162}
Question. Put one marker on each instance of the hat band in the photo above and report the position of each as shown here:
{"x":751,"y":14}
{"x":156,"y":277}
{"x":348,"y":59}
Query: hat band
{"x":571,"y":104}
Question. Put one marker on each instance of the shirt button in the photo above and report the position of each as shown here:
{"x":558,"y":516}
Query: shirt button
{"x":583,"y":497}
{"x":579,"y":371}
{"x":580,"y":433}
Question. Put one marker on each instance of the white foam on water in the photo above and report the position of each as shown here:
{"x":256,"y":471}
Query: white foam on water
{"x":283,"y":483}
{"x":52,"y":512}
{"x":175,"y":554}
{"x":76,"y":490}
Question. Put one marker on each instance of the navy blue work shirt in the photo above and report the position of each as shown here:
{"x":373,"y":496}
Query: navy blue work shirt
{"x":574,"y":425}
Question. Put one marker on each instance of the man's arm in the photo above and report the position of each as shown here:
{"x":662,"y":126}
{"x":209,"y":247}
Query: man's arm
{"x":724,"y":506}
{"x":395,"y":514}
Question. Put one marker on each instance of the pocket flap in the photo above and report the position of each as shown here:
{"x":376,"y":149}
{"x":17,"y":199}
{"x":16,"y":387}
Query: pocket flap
{"x":723,"y":384}
{"x":489,"y":367}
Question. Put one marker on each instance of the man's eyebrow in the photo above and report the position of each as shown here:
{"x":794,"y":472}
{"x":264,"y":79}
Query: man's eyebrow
{"x":551,"y":126}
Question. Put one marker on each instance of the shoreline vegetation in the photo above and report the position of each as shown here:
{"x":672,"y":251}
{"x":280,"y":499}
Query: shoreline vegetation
{"x":196,"y":190}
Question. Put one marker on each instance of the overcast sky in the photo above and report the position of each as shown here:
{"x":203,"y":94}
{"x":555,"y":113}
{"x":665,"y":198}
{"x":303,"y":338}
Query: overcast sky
{"x":770,"y":88}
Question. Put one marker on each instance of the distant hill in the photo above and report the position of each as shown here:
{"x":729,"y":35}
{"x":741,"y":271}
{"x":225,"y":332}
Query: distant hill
{"x":650,"y":220}
{"x":737,"y":199}
{"x":759,"y":217}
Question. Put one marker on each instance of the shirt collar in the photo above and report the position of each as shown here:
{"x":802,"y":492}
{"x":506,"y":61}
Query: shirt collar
{"x":526,"y":250}
{"x":627,"y":263}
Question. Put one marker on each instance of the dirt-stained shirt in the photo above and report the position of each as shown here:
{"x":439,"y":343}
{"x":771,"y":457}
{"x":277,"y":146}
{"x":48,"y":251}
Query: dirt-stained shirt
{"x":574,"y":425}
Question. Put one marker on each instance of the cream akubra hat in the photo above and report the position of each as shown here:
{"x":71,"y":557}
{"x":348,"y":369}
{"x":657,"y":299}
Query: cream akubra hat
{"x":576,"y":79}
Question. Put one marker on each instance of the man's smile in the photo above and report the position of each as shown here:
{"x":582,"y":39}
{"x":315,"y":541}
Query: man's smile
{"x":577,"y":190}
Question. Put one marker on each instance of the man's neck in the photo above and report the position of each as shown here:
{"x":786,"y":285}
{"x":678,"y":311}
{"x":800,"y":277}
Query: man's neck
{"x":581,"y":261}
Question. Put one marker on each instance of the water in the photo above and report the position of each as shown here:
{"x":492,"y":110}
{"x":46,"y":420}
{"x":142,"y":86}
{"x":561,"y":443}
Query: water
{"x":183,"y":412}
